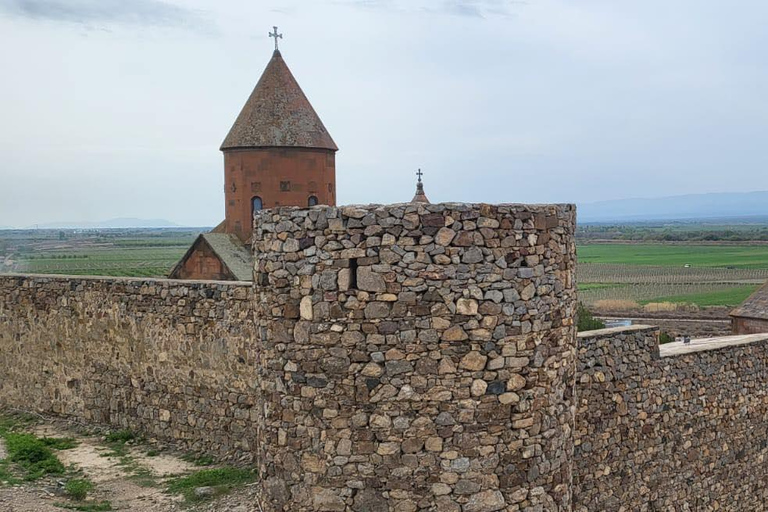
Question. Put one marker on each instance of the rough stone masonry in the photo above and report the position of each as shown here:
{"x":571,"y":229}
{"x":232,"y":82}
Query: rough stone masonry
{"x":401,"y":358}
{"x":416,"y":357}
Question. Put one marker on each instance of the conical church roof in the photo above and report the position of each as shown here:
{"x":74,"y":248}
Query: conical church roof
{"x":278,"y":114}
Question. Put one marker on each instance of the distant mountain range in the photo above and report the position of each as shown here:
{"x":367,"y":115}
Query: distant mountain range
{"x":688,"y":207}
{"x":744,"y":207}
{"x":127,"y":222}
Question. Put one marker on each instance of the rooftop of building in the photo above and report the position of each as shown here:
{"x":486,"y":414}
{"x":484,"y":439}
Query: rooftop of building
{"x":278,"y":114}
{"x":756,"y":305}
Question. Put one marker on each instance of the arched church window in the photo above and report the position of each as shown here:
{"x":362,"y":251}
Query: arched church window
{"x":256,"y":205}
{"x":312,"y":201}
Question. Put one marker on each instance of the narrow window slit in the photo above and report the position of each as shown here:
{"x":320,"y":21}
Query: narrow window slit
{"x":353,"y":273}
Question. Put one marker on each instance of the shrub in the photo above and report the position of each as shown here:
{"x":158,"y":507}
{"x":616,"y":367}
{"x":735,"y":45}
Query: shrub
{"x":78,"y":488}
{"x":585,"y":321}
{"x":120,"y":436}
{"x":221,"y":479}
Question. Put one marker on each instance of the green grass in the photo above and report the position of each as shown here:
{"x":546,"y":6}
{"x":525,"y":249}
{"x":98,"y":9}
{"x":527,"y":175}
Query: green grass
{"x":14,"y":421}
{"x":60,"y":443}
{"x":738,"y":256}
{"x":198,"y":460}
{"x":729,"y":297}
{"x":32,"y":456}
{"x":222,"y":480}
{"x":120,"y":436}
{"x":78,"y":488}
{"x":7,"y":475}
{"x":596,"y":286}
{"x":100,"y":506}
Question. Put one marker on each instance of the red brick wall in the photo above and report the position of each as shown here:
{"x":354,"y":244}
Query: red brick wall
{"x":280,"y":177}
{"x":749,"y":325}
{"x":203,"y":264}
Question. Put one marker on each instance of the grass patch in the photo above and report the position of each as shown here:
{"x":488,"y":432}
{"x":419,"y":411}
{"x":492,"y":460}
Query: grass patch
{"x":78,"y":488}
{"x":7,"y":476}
{"x":60,"y":443}
{"x":597,"y":286}
{"x":116,"y":442}
{"x":736,"y":256}
{"x":732,"y":296}
{"x":16,"y":421}
{"x":32,"y":455}
{"x":120,"y":436}
{"x":100,"y":506}
{"x":198,"y":460}
{"x":222,"y":480}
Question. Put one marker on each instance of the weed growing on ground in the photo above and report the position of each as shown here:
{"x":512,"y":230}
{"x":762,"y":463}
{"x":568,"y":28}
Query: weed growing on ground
{"x":32,"y":455}
{"x":198,"y":460}
{"x":14,"y":421}
{"x":120,"y":436}
{"x":60,"y":443}
{"x":100,"y":506}
{"x":116,"y":442}
{"x":78,"y":488}
{"x":222,"y":480}
{"x":7,"y":476}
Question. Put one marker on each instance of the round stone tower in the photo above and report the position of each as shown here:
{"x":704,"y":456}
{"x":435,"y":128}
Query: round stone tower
{"x":416,"y":357}
{"x":278,"y":153}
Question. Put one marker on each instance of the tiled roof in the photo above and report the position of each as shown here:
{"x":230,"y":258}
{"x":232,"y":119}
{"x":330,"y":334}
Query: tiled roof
{"x":232,"y":252}
{"x":278,"y":114}
{"x":235,"y":255}
{"x":756,"y":306}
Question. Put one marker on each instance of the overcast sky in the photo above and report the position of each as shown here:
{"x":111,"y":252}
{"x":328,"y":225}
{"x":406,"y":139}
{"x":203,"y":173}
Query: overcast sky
{"x":117,"y":108}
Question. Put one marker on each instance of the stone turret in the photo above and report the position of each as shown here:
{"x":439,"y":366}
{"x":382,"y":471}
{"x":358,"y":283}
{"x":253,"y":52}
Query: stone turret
{"x":416,"y":357}
{"x":420,"y":196}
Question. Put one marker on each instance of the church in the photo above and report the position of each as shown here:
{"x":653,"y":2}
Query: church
{"x":277,"y":153}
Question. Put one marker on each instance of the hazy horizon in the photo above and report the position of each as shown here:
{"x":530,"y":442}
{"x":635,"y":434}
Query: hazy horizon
{"x":117,"y":109}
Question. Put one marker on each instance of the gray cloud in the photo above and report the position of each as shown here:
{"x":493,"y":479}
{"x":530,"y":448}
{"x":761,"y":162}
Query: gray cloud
{"x":464,"y":8}
{"x":107,"y":12}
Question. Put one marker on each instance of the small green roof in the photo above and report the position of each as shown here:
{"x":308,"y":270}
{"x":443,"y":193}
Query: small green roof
{"x":756,"y":305}
{"x":234,"y":254}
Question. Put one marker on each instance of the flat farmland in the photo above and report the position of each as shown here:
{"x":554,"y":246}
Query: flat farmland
{"x":704,"y":275}
{"x":677,"y":255}
{"x":113,"y":252}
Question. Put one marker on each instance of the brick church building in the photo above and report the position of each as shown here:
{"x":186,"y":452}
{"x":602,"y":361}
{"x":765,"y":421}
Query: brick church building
{"x":277,"y":153}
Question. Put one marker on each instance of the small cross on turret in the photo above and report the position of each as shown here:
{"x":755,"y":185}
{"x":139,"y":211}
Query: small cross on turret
{"x":420,"y":196}
{"x":276,"y":36}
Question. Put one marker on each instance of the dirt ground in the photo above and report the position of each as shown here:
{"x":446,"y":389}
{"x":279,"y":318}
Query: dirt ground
{"x":138,"y":485}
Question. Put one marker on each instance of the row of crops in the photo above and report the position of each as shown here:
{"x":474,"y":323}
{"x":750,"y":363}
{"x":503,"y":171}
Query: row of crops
{"x":705,"y":294}
{"x":646,"y":274}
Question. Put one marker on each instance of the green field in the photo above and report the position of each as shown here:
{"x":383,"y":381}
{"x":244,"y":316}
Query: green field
{"x":705,"y":275}
{"x":108,"y":252}
{"x":726,"y":297}
{"x":736,"y":256}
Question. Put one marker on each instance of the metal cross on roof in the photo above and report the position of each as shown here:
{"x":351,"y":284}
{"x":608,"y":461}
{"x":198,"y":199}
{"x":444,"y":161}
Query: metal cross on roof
{"x":419,"y":174}
{"x":276,"y":36}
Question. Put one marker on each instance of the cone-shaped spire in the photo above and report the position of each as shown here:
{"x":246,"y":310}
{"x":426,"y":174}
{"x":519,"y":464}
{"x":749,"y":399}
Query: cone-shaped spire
{"x":278,"y":114}
{"x":420,"y":196}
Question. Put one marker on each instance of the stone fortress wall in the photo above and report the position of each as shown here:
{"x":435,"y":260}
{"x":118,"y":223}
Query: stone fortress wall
{"x":173,"y":359}
{"x":674,"y":427}
{"x":407,"y":357}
